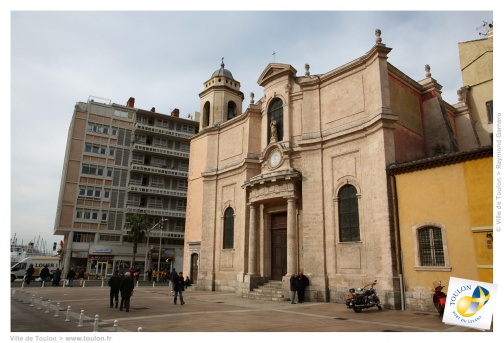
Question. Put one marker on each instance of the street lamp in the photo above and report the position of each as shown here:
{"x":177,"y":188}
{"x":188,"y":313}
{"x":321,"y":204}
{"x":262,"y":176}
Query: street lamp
{"x":159,"y":250}
{"x":161,"y":222}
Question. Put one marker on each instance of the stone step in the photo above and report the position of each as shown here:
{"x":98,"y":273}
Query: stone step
{"x":270,"y":291}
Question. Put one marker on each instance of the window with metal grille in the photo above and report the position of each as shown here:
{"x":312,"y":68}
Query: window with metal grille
{"x":348,"y":210}
{"x":431,"y":249}
{"x":489,"y":107}
{"x":228,"y":229}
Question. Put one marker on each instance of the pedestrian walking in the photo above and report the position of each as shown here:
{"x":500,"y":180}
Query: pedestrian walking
{"x":149,"y":274}
{"x":71,"y":277}
{"x":56,"y":277}
{"x":29,"y":274}
{"x":126,"y":289}
{"x":302,"y":283}
{"x":44,"y":274}
{"x":114,"y":283}
{"x":178,"y":287}
{"x":293,"y":287}
{"x":154,"y":274}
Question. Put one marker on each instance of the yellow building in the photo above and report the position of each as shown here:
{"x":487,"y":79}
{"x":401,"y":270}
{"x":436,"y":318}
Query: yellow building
{"x":443,"y":220}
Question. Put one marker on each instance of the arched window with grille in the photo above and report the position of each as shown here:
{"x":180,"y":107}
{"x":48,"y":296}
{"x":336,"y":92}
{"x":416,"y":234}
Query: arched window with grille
{"x":348,"y":214}
{"x":431,"y":247}
{"x":228,"y":234}
{"x":275,"y":111}
{"x":430,"y":240}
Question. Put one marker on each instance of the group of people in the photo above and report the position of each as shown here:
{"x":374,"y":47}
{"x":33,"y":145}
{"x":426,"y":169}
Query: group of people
{"x":125,"y":285}
{"x":44,"y":276}
{"x":298,"y":283}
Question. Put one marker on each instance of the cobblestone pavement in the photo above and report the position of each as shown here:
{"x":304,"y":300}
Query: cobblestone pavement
{"x":152,"y":310}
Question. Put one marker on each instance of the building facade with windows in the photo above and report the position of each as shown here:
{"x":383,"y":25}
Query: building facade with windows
{"x":299,"y":181}
{"x":445,"y":221}
{"x":120,"y":160}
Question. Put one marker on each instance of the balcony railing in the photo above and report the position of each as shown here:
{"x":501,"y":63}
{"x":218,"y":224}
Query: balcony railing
{"x":155,"y":211}
{"x":157,"y":170}
{"x":158,"y":150}
{"x":162,"y":131}
{"x":163,"y":234}
{"x":157,"y":191}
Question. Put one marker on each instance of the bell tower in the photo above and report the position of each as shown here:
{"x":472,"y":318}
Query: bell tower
{"x":221,"y":100}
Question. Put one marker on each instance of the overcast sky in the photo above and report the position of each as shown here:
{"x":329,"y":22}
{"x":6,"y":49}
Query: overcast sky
{"x":162,"y":59}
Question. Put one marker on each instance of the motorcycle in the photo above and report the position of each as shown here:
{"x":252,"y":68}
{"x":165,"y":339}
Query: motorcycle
{"x":439,"y":298}
{"x":365,"y":297}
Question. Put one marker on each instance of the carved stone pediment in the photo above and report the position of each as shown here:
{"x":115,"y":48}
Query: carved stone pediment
{"x":274,"y":71}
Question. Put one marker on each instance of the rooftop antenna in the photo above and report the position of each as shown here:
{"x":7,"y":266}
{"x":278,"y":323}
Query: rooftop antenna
{"x":486,"y":29}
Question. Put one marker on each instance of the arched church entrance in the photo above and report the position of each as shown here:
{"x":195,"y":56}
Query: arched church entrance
{"x":278,"y":245}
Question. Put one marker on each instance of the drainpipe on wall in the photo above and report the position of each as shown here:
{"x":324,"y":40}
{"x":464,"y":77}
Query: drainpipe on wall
{"x":397,"y":238}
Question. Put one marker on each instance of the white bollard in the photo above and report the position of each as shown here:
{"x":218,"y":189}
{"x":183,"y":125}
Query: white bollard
{"x":32,"y":301}
{"x":116,"y":325}
{"x":48,"y":307}
{"x":153,"y":283}
{"x":84,"y":283}
{"x":57,"y":310}
{"x":40,"y":304}
{"x":64,"y":283}
{"x":67,"y":318}
{"x":96,"y":320}
{"x":137,"y":284}
{"x":140,"y":329}
{"x":102,"y":282}
{"x":22,"y":284}
{"x":81,"y":319}
{"x":26,"y":298}
{"x":43,"y":283}
{"x":19,"y":296}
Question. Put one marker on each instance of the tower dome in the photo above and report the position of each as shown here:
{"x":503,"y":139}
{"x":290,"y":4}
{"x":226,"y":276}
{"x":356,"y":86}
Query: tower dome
{"x":223,"y":72}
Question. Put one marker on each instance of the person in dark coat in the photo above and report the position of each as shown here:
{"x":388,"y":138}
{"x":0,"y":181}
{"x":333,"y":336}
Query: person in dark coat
{"x":71,"y":277}
{"x":178,"y":286}
{"x":29,"y":274}
{"x":126,"y":288}
{"x":114,"y":283}
{"x":44,"y":274}
{"x":56,"y":277}
{"x":187,"y":282}
{"x":302,"y":283}
{"x":293,"y":287}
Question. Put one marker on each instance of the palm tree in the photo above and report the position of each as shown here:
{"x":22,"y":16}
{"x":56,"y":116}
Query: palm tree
{"x":137,"y":225}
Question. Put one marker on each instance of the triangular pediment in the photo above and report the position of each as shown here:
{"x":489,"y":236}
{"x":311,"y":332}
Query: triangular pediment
{"x":275,"y":70}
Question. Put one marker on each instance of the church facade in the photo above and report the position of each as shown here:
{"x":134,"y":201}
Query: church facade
{"x":297,"y":181}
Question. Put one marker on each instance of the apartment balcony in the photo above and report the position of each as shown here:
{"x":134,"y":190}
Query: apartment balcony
{"x":160,"y":234}
{"x":153,"y":211}
{"x":156,"y":191}
{"x":161,"y":131}
{"x":157,"y":170}
{"x":141,"y":147}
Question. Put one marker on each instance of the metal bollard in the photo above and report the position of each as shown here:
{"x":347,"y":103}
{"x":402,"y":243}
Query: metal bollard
{"x":153,"y":283}
{"x":32,"y":300}
{"x":96,"y":320}
{"x":48,"y":307}
{"x":40,"y":304}
{"x":57,"y":310}
{"x":64,"y":283}
{"x":43,"y":284}
{"x":81,"y":319}
{"x":84,"y":283}
{"x":67,"y":318}
{"x":22,"y":284}
{"x":116,"y":325}
{"x":140,"y":329}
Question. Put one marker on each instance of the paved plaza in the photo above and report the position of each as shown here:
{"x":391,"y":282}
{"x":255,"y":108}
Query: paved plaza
{"x":152,"y":310}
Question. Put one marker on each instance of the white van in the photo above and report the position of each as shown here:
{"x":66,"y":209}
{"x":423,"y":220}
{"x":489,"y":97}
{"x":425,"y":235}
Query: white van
{"x":18,"y":271}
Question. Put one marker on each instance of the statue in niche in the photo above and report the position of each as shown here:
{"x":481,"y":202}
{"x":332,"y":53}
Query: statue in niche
{"x":273,"y":129}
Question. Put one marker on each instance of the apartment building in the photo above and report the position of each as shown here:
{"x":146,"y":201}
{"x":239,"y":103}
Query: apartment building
{"x":120,"y":160}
